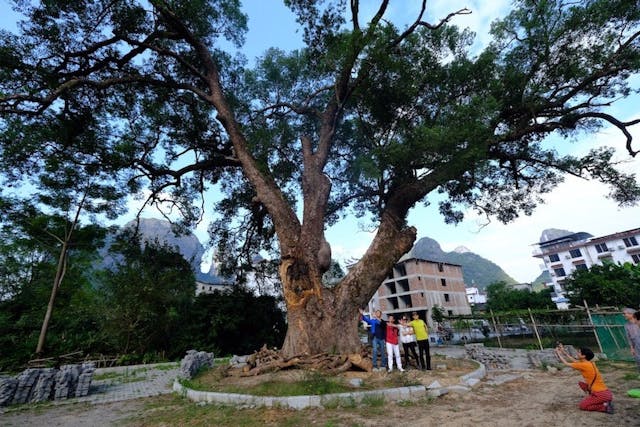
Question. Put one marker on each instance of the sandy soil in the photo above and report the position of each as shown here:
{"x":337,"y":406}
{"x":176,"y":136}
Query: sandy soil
{"x":535,"y":398}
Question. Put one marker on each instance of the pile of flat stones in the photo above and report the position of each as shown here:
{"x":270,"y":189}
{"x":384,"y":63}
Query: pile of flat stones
{"x":41,"y":384}
{"x":488,"y":358}
{"x":194,"y":362}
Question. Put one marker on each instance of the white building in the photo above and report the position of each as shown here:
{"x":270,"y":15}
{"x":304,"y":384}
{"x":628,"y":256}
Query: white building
{"x":564,"y":255}
{"x":474,"y":296}
{"x":209,"y":288}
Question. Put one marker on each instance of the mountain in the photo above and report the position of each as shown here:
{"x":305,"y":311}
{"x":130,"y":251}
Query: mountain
{"x":476,"y":270}
{"x":553,"y":233}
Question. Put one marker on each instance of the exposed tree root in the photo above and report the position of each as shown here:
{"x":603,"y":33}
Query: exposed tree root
{"x":267,"y":360}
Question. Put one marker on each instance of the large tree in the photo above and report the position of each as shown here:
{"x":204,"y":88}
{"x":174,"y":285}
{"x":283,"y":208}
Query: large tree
{"x":368,"y":119}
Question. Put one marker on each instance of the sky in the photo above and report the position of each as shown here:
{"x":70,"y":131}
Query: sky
{"x":576,"y":205}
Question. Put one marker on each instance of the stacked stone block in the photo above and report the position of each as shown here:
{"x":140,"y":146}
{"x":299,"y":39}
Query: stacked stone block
{"x":42,"y":384}
{"x":26,"y":380}
{"x":193,"y":362}
{"x":487,"y":357}
{"x":8,"y":386}
{"x":43,"y":388}
{"x":84,"y":379}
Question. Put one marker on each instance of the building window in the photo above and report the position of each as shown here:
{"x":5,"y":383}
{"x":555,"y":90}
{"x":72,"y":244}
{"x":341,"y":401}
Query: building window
{"x":446,"y":297}
{"x":559,"y":272}
{"x":449,"y":312}
{"x":630,"y":241}
{"x":554,"y":258}
{"x":607,"y":259}
{"x":443,"y":282}
{"x":575,"y":253}
{"x":602,"y":247}
{"x":440,"y":266}
{"x":635,"y":258}
{"x":581,"y":267}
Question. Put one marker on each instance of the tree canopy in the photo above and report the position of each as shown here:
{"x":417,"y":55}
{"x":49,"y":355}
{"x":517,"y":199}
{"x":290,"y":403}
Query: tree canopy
{"x":608,"y":284}
{"x":501,"y":297}
{"x":368,"y":119}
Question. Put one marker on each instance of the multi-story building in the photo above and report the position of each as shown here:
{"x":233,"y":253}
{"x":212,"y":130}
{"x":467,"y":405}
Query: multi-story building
{"x":418,"y":285}
{"x":564,"y":255}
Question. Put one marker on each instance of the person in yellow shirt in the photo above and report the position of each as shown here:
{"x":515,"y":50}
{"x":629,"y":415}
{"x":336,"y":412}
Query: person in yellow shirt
{"x":599,"y":397}
{"x":422,"y":338}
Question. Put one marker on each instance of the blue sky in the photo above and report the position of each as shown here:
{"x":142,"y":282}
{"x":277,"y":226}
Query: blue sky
{"x":575,"y":205}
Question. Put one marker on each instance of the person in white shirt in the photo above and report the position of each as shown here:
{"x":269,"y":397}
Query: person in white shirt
{"x":408,"y":340}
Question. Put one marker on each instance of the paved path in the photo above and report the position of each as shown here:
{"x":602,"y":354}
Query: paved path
{"x":132,"y":382}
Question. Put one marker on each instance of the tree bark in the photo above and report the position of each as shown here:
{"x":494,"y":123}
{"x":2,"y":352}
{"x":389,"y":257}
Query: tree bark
{"x":326,"y":320}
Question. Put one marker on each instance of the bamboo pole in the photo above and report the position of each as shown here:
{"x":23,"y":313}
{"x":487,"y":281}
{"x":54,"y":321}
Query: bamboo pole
{"x":535,"y":328}
{"x":493,"y":320}
{"x":594,"y":328}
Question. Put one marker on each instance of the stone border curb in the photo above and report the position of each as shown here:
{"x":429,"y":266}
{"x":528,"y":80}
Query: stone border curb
{"x":301,"y":402}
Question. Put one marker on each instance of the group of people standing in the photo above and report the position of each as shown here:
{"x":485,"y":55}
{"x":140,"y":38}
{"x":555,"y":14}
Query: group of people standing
{"x":387,"y":336}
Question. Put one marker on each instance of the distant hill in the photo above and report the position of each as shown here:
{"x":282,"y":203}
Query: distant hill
{"x":539,"y":282}
{"x":476,"y":270}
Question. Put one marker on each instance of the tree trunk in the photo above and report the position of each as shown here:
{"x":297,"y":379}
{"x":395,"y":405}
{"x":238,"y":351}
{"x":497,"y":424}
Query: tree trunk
{"x":60,"y":270}
{"x":326,"y":319}
{"x":322,"y":325}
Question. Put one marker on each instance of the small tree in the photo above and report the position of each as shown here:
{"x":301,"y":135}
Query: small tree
{"x":437,"y":313}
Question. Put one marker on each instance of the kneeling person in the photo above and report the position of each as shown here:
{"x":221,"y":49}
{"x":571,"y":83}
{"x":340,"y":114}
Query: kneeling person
{"x":599,"y":397}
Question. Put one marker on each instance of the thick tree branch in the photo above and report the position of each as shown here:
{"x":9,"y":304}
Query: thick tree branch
{"x":284,"y":218}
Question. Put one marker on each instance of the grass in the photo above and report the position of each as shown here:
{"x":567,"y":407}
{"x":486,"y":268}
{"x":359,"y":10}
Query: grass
{"x":174,"y":410}
{"x":313,"y":383}
{"x":126,"y":376}
{"x":167,"y":366}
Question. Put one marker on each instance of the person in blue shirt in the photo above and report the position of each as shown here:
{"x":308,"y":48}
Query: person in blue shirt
{"x":378,"y":331}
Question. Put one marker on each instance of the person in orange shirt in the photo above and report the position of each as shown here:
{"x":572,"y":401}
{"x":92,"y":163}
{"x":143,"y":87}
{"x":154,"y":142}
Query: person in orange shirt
{"x":599,"y":397}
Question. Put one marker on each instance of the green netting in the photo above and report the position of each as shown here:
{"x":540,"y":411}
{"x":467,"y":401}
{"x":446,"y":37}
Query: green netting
{"x":612,"y":336}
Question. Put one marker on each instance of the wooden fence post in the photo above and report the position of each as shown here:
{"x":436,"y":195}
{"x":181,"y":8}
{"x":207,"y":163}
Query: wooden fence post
{"x":493,"y":320}
{"x":593,"y":326}
{"x":535,"y":328}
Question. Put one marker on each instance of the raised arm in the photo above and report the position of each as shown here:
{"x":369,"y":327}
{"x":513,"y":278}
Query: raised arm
{"x":563,"y":356}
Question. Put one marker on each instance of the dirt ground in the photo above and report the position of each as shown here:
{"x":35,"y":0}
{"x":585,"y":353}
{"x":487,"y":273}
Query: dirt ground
{"x":535,"y":398}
